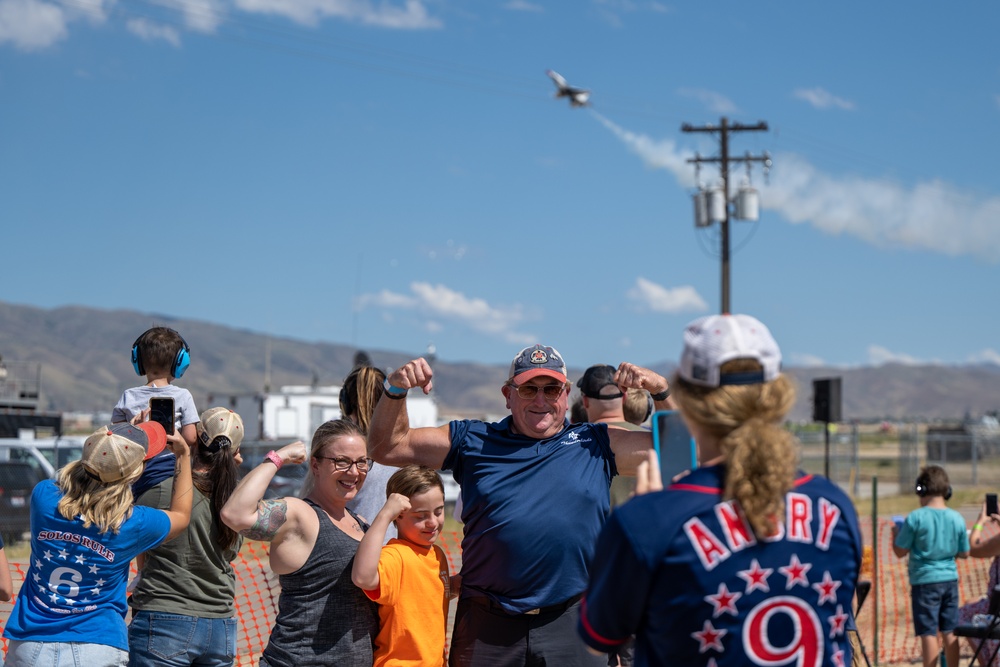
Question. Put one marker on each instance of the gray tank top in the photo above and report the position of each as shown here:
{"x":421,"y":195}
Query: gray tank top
{"x":323,"y":618}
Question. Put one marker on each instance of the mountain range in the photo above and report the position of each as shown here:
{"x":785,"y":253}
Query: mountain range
{"x":85,"y":365}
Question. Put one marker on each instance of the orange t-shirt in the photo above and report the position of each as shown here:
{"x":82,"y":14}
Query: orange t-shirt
{"x":412,"y":605}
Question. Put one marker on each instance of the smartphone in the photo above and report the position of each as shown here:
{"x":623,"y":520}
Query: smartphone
{"x":673,"y":444}
{"x":991,"y":504}
{"x":161,"y":411}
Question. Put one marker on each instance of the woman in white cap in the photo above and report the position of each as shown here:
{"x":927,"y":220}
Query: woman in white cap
{"x":183,"y":610}
{"x":744,"y":560}
{"x":323,"y":618}
{"x":85,"y":532}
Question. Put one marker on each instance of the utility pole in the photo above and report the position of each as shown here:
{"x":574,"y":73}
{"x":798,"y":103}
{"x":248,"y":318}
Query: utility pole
{"x":723,"y":159}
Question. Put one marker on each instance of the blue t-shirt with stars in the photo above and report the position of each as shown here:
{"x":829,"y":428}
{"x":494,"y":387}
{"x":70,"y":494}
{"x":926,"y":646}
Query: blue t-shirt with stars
{"x":683,"y":571}
{"x":74,"y":589}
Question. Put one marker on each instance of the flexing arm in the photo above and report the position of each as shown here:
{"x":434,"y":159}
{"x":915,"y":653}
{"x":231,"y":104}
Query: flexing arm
{"x":391,"y":440}
{"x":180,"y":500}
{"x":365,"y":572}
{"x":632,"y":447}
{"x":247,"y":512}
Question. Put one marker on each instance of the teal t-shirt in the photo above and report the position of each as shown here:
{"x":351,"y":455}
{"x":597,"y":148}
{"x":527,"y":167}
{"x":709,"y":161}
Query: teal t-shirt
{"x":934,"y":537}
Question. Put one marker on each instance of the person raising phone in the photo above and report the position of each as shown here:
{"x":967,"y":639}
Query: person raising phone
{"x":84,"y":533}
{"x":980,"y":548}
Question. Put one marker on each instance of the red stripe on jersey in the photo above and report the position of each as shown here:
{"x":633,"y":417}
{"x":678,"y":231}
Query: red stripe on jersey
{"x":593,"y":634}
{"x":696,"y":488}
{"x":802,"y":480}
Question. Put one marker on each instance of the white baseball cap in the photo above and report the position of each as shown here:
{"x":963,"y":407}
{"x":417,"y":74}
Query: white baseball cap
{"x":709,"y":342}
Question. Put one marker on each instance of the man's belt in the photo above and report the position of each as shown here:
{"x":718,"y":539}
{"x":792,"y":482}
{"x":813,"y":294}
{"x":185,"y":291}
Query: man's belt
{"x":495,"y":606}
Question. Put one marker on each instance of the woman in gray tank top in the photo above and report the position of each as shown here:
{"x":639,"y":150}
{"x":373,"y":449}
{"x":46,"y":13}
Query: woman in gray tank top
{"x":323,"y":618}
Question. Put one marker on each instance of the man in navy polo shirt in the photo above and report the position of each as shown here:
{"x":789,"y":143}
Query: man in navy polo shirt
{"x":535,"y":496}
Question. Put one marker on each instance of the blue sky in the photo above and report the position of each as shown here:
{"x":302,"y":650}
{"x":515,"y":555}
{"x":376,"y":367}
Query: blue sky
{"x":396,"y":174}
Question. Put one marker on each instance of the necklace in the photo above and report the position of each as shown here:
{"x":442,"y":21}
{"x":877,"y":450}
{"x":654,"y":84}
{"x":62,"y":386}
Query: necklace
{"x":347,"y":522}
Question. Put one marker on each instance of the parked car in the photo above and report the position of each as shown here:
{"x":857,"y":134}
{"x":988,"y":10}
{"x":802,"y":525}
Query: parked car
{"x":20,"y":451}
{"x":17,"y":479}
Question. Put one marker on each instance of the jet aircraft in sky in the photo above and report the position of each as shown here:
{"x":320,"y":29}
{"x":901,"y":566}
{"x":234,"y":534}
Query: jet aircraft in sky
{"x":578,"y":97}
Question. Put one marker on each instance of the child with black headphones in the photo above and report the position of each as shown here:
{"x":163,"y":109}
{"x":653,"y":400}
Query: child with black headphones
{"x":161,"y":355}
{"x":933,"y":536}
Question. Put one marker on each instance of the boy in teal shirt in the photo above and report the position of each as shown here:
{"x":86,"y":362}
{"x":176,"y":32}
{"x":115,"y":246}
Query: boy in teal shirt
{"x":933,"y":536}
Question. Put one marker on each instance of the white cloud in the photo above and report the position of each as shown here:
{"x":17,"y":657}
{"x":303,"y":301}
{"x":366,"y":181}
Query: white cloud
{"x":386,"y":299}
{"x":932,"y":215}
{"x":878,"y":355}
{"x":412,"y":15}
{"x":822,"y":99}
{"x":989,"y":355}
{"x":31,"y":25}
{"x":648,"y":295}
{"x":200,"y":15}
{"x":523,"y":6}
{"x":715,"y":102}
{"x":804,"y":360}
{"x":150,"y":31}
{"x":447,"y":304}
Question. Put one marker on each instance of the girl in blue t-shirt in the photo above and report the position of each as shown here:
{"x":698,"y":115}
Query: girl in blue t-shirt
{"x":84,"y":533}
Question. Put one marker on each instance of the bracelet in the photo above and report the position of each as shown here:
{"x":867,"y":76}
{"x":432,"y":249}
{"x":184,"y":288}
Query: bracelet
{"x":662,"y":396}
{"x":978,"y":526}
{"x":274,"y":458}
{"x":392,"y":391}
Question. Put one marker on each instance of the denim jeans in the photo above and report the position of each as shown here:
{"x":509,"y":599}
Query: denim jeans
{"x":63,"y":654}
{"x":161,"y":639}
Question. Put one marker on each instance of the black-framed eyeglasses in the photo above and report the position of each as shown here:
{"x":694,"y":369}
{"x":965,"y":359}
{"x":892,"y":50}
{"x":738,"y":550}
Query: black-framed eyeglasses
{"x":528,"y":392}
{"x":341,"y":464}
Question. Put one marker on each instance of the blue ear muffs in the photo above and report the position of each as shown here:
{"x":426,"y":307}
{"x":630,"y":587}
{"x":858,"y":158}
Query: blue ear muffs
{"x":137,"y":357}
{"x":181,"y":361}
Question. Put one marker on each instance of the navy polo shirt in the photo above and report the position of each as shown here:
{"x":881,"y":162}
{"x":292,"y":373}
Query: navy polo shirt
{"x":532,"y":509}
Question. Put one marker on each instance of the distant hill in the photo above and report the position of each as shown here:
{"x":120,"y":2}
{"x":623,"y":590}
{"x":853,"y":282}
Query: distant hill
{"x":85,"y":367}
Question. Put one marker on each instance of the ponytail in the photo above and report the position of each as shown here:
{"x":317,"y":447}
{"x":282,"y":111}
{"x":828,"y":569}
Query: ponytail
{"x":760,"y":456}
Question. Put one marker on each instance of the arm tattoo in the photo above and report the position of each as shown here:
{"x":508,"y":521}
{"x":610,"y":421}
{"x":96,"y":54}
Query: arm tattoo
{"x":271,"y":515}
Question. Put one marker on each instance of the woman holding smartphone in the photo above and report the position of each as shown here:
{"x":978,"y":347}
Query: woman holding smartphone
{"x":85,"y":532}
{"x":981,"y":548}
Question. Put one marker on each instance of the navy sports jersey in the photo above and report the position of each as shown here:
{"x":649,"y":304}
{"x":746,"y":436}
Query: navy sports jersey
{"x":682,"y":570}
{"x":532,"y":509}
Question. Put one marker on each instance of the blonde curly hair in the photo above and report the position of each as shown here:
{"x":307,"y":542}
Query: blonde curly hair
{"x":760,"y":456}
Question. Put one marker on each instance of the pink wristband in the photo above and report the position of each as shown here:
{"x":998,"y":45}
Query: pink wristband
{"x":274,"y":458}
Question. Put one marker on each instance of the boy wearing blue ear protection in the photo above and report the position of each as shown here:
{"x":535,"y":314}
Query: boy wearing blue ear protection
{"x":161,"y":355}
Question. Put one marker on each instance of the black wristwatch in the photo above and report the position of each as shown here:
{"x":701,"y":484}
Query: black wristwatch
{"x":662,"y":396}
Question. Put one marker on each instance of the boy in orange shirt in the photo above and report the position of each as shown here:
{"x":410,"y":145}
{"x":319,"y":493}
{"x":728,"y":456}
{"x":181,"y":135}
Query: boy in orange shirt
{"x":408,"y":577}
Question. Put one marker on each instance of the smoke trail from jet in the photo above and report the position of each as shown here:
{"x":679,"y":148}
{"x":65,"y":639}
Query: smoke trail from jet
{"x":932,"y":215}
